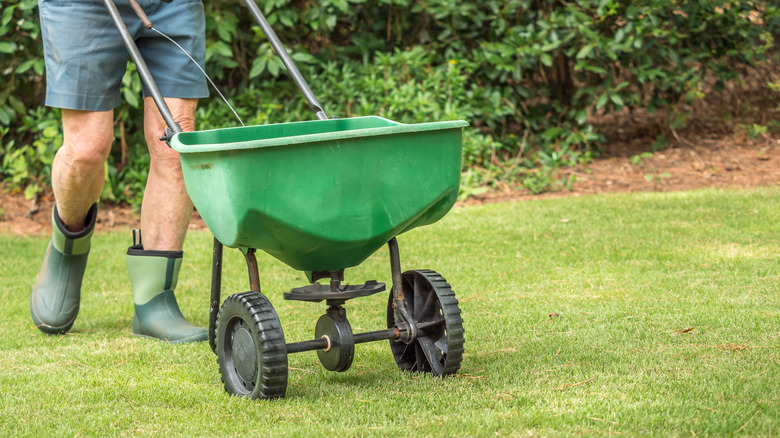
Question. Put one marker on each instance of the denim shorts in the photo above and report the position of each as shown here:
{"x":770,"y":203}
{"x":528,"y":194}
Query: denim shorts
{"x":86,"y":58}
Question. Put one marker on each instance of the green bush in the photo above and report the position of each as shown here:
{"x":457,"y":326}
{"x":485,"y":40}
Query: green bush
{"x":527,"y":74}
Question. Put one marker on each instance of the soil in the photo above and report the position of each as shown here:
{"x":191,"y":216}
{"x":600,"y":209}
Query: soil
{"x":732,"y":161}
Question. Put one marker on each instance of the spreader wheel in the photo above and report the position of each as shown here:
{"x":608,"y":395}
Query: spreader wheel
{"x":251,"y":352}
{"x":438,"y":349}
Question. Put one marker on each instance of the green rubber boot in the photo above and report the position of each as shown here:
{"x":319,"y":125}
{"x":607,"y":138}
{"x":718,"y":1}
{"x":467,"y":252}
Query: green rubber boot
{"x":55,"y":298}
{"x":153,"y":275}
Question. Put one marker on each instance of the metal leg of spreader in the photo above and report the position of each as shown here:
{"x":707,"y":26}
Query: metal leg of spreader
{"x":252,"y":269}
{"x":402,"y":317}
{"x":216,"y":291}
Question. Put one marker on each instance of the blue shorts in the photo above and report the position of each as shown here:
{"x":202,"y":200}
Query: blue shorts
{"x":86,"y":58}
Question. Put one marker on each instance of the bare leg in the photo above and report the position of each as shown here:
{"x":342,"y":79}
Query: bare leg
{"x":166,"y":209}
{"x":78,"y":171}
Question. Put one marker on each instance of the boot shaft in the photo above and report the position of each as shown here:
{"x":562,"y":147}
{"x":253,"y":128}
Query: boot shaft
{"x":73,"y":243}
{"x":154,"y":275}
{"x":151,"y":272}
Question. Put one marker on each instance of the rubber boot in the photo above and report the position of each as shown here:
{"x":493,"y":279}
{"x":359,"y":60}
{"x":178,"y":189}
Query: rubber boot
{"x":56,"y":295}
{"x":153,"y":275}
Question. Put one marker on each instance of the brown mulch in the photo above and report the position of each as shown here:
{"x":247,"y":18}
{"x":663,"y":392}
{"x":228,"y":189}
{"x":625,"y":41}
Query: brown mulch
{"x":709,"y":163}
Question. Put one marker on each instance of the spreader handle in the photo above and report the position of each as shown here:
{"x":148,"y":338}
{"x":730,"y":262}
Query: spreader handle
{"x":143,"y":71}
{"x":288,"y":62}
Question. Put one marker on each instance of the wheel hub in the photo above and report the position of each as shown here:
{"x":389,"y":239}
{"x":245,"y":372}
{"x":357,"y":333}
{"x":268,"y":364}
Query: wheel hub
{"x":244,"y":353}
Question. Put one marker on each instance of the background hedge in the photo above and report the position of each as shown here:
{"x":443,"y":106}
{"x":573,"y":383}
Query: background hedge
{"x":529,"y":75}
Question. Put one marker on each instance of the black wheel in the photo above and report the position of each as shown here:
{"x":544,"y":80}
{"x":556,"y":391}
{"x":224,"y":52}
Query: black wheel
{"x":251,"y":352}
{"x":429,"y":300}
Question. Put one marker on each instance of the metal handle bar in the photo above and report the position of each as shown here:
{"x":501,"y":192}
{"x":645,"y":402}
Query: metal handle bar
{"x":143,"y":71}
{"x":286,"y":60}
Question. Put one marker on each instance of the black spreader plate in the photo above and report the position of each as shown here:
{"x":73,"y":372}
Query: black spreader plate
{"x":318,"y":292}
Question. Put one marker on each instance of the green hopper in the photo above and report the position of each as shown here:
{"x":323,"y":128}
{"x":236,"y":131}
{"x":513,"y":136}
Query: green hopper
{"x":321,"y":195}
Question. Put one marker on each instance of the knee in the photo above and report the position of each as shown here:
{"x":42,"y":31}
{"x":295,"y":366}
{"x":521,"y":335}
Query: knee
{"x":87,"y":151}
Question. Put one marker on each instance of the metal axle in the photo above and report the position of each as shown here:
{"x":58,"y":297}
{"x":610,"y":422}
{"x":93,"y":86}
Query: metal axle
{"x":394,"y":333}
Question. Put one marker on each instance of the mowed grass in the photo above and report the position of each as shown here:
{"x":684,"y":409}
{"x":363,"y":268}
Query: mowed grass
{"x":636,"y":314}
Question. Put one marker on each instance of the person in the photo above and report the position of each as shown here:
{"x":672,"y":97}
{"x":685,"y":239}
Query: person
{"x":85,"y":61}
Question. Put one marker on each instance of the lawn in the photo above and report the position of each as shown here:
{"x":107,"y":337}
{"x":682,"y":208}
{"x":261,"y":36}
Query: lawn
{"x":651,"y":314}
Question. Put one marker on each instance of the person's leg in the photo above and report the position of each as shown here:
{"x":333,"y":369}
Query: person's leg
{"x":166,"y":207}
{"x":78,"y":174}
{"x":78,"y":171}
{"x":153,"y":265}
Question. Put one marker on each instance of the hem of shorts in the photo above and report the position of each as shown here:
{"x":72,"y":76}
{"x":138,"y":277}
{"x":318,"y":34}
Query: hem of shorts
{"x":104,"y":103}
{"x":181,"y":91}
{"x":81,"y":102}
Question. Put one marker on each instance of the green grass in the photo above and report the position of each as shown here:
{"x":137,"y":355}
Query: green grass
{"x":668,"y":324}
